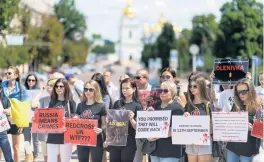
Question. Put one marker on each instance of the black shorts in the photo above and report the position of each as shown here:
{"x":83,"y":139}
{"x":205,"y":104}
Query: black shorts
{"x":13,"y":130}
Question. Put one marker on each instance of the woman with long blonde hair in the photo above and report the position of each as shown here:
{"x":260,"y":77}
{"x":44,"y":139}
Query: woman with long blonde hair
{"x":246,"y":100}
{"x":198,"y":104}
{"x":92,"y":107}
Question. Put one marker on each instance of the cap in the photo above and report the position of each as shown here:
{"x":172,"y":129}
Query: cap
{"x":68,"y":76}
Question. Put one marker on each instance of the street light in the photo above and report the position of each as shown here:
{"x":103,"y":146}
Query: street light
{"x":194,"y":50}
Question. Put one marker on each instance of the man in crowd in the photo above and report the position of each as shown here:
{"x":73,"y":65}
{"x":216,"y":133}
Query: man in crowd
{"x":141,"y":79}
{"x":112,"y":89}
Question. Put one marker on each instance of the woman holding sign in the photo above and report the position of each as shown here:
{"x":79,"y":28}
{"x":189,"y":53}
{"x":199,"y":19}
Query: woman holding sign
{"x":165,"y":151}
{"x":31,"y":83}
{"x":129,"y":101}
{"x":61,"y":97}
{"x":14,"y":91}
{"x":198,"y":104}
{"x":245,"y":100}
{"x":92,"y":107}
{"x":169,"y":74}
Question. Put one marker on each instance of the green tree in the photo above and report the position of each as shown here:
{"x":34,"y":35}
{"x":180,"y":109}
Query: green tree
{"x":182,"y":44}
{"x":107,"y":48}
{"x":72,"y":20}
{"x":241,"y":24}
{"x":149,"y":51}
{"x":75,"y":53}
{"x":8,"y":8}
{"x":46,"y":41}
{"x":165,"y":42}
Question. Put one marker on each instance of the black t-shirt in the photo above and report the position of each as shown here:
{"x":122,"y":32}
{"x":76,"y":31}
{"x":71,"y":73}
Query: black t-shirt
{"x":196,"y":112}
{"x":134,"y":107}
{"x":58,"y":138}
{"x":94,"y":111}
{"x":251,"y":147}
{"x":164,"y":146}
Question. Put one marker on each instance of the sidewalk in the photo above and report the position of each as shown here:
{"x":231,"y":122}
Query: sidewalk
{"x":40,"y":159}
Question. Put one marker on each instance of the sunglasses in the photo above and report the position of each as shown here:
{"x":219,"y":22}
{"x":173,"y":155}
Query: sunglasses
{"x":88,"y":90}
{"x":59,"y":86}
{"x":193,"y":86}
{"x":243,"y":92}
{"x":8,"y":73}
{"x":165,"y":91}
{"x":165,"y":77}
{"x":138,"y":77}
{"x":31,"y":80}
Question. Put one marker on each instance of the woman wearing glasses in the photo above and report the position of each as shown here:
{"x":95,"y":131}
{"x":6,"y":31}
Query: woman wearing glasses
{"x":129,"y":101}
{"x":246,"y":100}
{"x":92,"y":107}
{"x":61,"y":97}
{"x":13,"y":89}
{"x":165,"y":151}
{"x":170,"y":74}
{"x":31,"y":83}
{"x":198,"y":102}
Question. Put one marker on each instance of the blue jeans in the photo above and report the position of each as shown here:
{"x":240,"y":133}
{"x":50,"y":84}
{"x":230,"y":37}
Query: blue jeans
{"x":159,"y":159}
{"x":5,"y":146}
{"x":232,"y":157}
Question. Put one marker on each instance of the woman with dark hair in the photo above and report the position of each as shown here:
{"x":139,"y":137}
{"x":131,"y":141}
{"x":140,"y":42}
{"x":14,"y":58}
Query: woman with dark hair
{"x":99,"y":78}
{"x":61,"y":97}
{"x":13,"y":89}
{"x":129,"y":101}
{"x":198,"y":104}
{"x":5,"y":110}
{"x":31,"y":83}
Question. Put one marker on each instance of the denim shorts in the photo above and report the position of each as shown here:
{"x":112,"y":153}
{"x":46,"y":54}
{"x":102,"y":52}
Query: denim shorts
{"x":199,"y":149}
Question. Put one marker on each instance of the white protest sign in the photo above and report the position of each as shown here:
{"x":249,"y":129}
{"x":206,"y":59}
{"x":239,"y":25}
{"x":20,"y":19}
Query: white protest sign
{"x":4,"y":125}
{"x":230,"y":126}
{"x":153,"y":124}
{"x":191,"y":130}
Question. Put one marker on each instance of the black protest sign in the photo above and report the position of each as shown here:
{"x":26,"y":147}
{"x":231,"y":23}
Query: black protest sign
{"x":117,"y":127}
{"x":229,"y":71}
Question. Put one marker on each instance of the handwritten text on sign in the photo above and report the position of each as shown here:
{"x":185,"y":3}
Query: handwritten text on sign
{"x":191,"y":130}
{"x":48,"y":120}
{"x":80,"y":131}
{"x":231,"y":127}
{"x":4,"y":124}
{"x":153,"y":124}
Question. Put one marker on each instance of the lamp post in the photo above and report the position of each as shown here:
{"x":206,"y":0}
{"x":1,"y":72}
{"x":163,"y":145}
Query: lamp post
{"x":194,"y":50}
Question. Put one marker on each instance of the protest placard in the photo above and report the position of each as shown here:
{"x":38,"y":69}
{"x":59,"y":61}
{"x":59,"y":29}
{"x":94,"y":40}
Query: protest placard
{"x":257,"y":130}
{"x":4,"y":124}
{"x":80,"y":132}
{"x":153,"y":124}
{"x":229,"y":71}
{"x":48,"y":120}
{"x":154,"y":98}
{"x":191,"y":130}
{"x":230,"y":126}
{"x":143,"y":96}
{"x":117,"y":127}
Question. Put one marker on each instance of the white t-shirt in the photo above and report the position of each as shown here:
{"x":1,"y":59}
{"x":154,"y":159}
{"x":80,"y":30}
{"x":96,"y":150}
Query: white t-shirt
{"x":260,"y":91}
{"x":225,"y":100}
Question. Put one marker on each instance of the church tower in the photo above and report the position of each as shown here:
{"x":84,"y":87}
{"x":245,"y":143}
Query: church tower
{"x":130,"y":36}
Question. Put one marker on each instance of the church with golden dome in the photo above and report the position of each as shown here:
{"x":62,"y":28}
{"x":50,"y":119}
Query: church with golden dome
{"x":133,"y":35}
{"x":131,"y":45}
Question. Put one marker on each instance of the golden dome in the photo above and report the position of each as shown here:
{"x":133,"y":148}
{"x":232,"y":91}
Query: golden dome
{"x":162,"y":20}
{"x":129,"y":11}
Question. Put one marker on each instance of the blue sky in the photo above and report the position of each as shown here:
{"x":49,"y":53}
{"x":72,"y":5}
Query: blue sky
{"x":103,"y":16}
